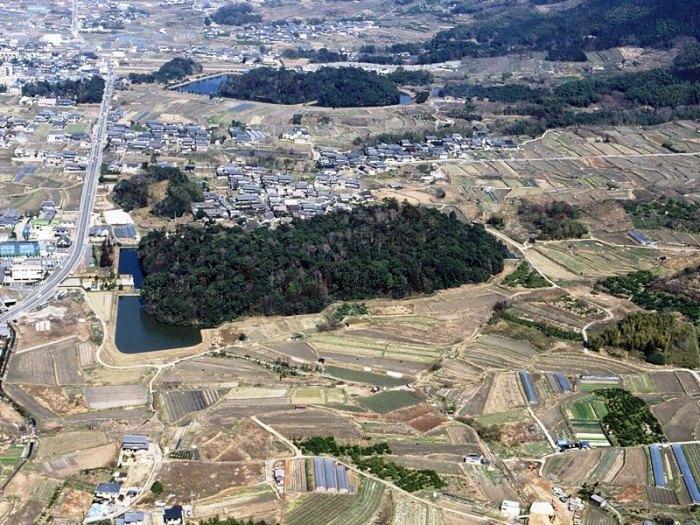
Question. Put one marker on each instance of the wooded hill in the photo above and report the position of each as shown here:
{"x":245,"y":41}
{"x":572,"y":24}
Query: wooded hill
{"x":204,"y":276}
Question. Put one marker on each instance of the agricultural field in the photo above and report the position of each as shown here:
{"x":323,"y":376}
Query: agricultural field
{"x":180,"y":403}
{"x":370,"y":378}
{"x":584,"y":415}
{"x":337,"y":509}
{"x":201,"y":480}
{"x":389,"y":401}
{"x":10,"y":457}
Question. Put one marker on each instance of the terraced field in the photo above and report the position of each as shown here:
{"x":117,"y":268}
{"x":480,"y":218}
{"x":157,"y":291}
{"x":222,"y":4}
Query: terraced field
{"x":338,"y":509}
{"x":493,"y":352}
{"x":179,"y":403}
{"x":371,"y":347}
{"x":387,"y":401}
{"x":584,"y":416}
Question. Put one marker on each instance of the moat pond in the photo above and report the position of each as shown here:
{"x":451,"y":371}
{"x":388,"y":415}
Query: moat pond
{"x":138,"y":332}
{"x":129,"y":265}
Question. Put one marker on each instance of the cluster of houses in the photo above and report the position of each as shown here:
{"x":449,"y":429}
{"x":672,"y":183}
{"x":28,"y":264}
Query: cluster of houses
{"x":156,"y":137}
{"x":296,"y":31}
{"x":31,"y":247}
{"x":114,"y":499}
{"x":266,"y":197}
{"x":15,"y":130}
{"x":383,"y":157}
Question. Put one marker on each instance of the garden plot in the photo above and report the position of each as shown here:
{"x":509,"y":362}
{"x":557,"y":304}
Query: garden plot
{"x":382,"y":429}
{"x":346,"y":343}
{"x":667,"y":383}
{"x":299,"y":351}
{"x":638,"y":383}
{"x":105,"y":397}
{"x":53,"y":364}
{"x":635,"y":468}
{"x":179,"y":403}
{"x":390,"y":400}
{"x":584,"y":415}
{"x":692,"y":455}
{"x":491,"y":352}
{"x":550,"y":314}
{"x":187,"y":479}
{"x":309,"y":423}
{"x":229,"y":411}
{"x":593,"y":260}
{"x":422,"y":417}
{"x":476,"y":403}
{"x":505,"y":394}
{"x":337,"y":509}
{"x":10,"y":457}
{"x":611,"y":462}
{"x":74,"y":462}
{"x":257,"y":502}
{"x":318,"y":396}
{"x":572,"y":468}
{"x":575,"y":362}
{"x":409,"y":512}
{"x":358,"y":376}
{"x":215,"y":370}
{"x":679,"y":418}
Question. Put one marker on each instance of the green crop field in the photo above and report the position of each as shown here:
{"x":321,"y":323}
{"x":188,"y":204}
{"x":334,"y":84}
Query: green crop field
{"x":384,"y":402}
{"x":358,"y":376}
{"x":9,"y":459}
{"x":337,"y":509}
{"x":692,"y":454}
{"x":584,"y":416}
{"x":640,"y":384}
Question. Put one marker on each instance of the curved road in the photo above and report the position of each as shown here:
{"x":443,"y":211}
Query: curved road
{"x":45,"y":291}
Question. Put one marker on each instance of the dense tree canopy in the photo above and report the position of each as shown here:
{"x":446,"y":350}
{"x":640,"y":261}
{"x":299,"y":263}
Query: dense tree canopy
{"x":84,"y":91}
{"x":661,"y":338}
{"x":564,"y":34}
{"x":665,"y":212}
{"x":235,"y":15}
{"x":329,"y":87}
{"x":204,"y":276}
{"x":557,"y":220}
{"x":629,"y":420}
{"x":175,"y":69}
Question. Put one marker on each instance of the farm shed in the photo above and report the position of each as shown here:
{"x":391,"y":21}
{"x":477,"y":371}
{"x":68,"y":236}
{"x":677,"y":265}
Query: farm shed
{"x":686,"y":473}
{"x":331,"y":477}
{"x":134,"y":442}
{"x":657,"y":465}
{"x":564,"y":383}
{"x":319,"y":475}
{"x":528,"y":386}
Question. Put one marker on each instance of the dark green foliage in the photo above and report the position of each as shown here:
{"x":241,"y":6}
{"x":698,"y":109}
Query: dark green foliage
{"x":179,"y":196}
{"x":557,"y":220}
{"x":157,"y":488}
{"x":383,"y":250}
{"x":422,"y":96}
{"x":367,"y":458}
{"x":82,"y":91}
{"x":107,"y":254}
{"x":131,"y":193}
{"x":175,"y":69}
{"x":526,"y":276}
{"x":629,"y":420}
{"x":329,"y":87}
{"x":404,"y":77}
{"x":491,"y":433}
{"x":666,"y":212}
{"x":589,"y":25}
{"x":497,"y":221}
{"x":315,"y":56}
{"x":181,"y":192}
{"x":3,"y":88}
{"x":546,"y":329}
{"x":497,"y":93}
{"x":347,"y":310}
{"x":661,"y":338}
{"x":407,"y":479}
{"x":639,"y":287}
{"x":235,"y":15}
{"x":571,"y":54}
{"x":317,"y":446}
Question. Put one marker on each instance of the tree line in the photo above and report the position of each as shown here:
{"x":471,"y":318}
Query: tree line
{"x":83,"y":91}
{"x":565,"y":34}
{"x":389,"y":249}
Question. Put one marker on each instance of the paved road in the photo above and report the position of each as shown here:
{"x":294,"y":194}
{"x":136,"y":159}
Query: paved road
{"x":47,"y":288}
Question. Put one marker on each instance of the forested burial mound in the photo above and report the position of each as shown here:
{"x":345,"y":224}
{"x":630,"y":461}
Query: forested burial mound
{"x":333,"y":87}
{"x":205,"y":276}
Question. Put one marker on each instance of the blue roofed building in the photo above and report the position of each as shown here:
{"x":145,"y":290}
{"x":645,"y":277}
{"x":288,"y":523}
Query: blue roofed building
{"x":19,"y":249}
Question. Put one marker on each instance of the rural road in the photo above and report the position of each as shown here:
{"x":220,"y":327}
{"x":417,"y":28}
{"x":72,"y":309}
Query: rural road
{"x":87,"y":202}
